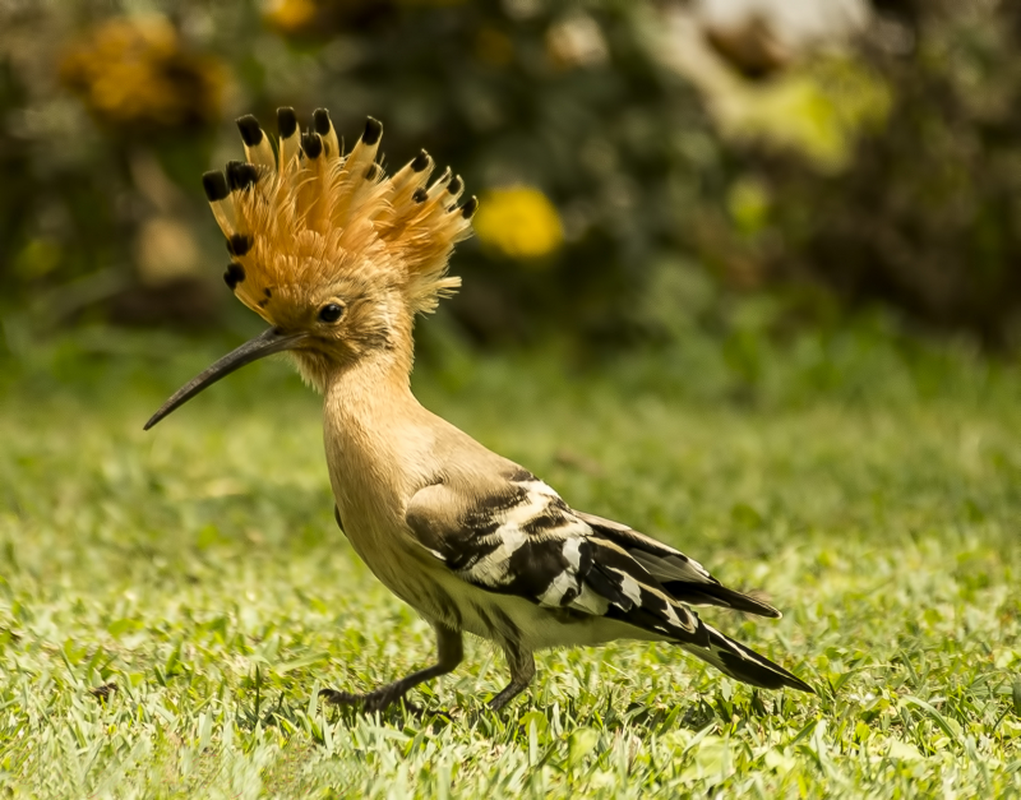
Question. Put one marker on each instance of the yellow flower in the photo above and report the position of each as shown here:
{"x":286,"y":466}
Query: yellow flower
{"x":319,"y":20}
{"x":520,"y":222}
{"x":136,"y":73}
{"x":292,"y":17}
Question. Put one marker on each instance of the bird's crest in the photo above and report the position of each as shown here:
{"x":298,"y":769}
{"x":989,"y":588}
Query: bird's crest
{"x":304,"y":214}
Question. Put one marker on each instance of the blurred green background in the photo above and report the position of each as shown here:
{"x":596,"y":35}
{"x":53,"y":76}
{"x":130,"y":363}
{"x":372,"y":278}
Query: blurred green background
{"x":648,"y":171}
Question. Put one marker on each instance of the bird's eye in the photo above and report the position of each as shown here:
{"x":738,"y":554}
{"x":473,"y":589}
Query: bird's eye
{"x":331,"y":312}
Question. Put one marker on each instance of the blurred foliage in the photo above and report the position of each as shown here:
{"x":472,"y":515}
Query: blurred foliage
{"x":817,"y":112}
{"x":135,"y":75}
{"x":619,"y":201}
{"x":927,"y":215}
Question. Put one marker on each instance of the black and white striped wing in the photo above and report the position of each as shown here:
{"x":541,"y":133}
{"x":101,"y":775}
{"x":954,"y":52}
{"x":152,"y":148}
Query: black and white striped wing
{"x":684,"y":579}
{"x":523,"y":540}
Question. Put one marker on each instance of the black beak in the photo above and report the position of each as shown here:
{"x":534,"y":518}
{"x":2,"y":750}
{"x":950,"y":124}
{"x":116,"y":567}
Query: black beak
{"x":265,"y":344}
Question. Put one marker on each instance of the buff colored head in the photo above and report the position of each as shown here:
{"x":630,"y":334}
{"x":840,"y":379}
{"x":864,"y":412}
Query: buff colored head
{"x":337,"y":256}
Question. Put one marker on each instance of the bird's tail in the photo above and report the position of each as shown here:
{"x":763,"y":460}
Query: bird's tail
{"x":744,"y":664}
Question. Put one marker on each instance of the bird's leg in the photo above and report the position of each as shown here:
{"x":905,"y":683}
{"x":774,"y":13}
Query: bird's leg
{"x":450,"y":649}
{"x":522,"y":668}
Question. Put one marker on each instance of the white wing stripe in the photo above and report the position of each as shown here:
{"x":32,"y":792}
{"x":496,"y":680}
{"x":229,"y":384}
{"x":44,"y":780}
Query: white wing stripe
{"x":554,"y":595}
{"x":572,"y":551}
{"x":630,"y":587}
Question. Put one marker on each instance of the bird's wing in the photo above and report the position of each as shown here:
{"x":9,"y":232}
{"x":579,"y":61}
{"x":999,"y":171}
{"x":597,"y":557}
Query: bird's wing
{"x":683,"y":577}
{"x":520,"y":538}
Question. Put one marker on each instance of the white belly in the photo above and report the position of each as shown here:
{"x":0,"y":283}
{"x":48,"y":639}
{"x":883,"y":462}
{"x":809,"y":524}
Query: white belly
{"x":537,"y":627}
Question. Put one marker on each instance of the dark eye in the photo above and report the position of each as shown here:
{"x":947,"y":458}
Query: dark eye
{"x":331,"y":312}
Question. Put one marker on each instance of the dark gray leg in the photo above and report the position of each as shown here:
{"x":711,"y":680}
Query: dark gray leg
{"x":450,"y":649}
{"x":522,"y":669}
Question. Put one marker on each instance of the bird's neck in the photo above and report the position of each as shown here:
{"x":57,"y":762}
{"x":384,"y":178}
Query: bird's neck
{"x":376,"y":385}
{"x":376,"y":433}
{"x":378,"y":442}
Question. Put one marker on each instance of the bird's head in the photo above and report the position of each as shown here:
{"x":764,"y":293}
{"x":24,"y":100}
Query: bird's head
{"x":334,"y":254}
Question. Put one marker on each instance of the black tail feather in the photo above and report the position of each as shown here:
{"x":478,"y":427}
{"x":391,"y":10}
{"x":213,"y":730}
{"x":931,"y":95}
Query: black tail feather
{"x":744,"y":664}
{"x":715,"y":594}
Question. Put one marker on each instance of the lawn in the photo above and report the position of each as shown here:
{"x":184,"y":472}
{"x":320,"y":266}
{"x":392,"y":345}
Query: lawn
{"x":171,"y":602}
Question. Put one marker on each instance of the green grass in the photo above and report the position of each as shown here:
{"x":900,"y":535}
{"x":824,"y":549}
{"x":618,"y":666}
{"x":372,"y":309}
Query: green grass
{"x":872,"y":486}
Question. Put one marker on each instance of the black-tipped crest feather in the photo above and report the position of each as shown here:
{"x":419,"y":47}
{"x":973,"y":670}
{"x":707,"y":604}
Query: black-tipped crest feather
{"x":251,"y":133}
{"x":306,"y":197}
{"x":215,"y":185}
{"x":373,"y":130}
{"x":287,"y":122}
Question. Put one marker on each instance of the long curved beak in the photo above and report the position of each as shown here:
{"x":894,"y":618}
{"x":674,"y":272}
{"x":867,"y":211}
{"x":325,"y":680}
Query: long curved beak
{"x":265,"y":344}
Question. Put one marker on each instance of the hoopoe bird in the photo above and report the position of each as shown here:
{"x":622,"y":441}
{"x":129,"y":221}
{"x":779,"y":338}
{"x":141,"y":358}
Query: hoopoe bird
{"x":338,"y":258}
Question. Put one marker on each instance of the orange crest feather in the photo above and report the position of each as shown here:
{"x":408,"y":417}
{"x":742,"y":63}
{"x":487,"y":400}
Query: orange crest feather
{"x":308,"y":215}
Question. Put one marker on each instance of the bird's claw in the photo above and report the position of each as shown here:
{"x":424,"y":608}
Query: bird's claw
{"x":378,"y":701}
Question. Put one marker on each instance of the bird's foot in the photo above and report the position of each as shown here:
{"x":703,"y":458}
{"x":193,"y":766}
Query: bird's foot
{"x":379,"y":701}
{"x":370,"y":702}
